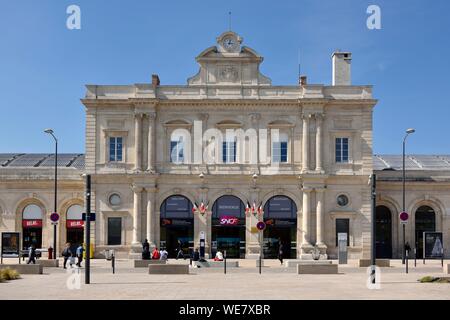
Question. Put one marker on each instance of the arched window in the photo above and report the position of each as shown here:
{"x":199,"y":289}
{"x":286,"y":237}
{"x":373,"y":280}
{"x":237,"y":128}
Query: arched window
{"x":176,"y":207}
{"x":280,"y":207}
{"x":32,"y":212}
{"x":229,"y":206}
{"x":75,"y":212}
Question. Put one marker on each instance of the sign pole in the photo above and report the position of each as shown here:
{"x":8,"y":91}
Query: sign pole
{"x":87,"y":272}
{"x":374,"y":223}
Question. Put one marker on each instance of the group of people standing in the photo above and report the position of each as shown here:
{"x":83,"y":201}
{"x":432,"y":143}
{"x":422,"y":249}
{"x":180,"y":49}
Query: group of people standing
{"x":69,"y":255}
{"x":155,"y":254}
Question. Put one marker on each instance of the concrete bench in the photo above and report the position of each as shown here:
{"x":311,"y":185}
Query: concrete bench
{"x":382,"y":263}
{"x":24,"y":268}
{"x":216,"y":264}
{"x":317,"y":268}
{"x":168,"y":269}
{"x":295,"y":263}
{"x":146,"y":263}
{"x":52,"y":263}
{"x":446,"y":268}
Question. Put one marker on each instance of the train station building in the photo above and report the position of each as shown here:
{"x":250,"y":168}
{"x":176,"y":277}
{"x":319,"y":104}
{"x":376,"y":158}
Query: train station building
{"x":213,"y":157}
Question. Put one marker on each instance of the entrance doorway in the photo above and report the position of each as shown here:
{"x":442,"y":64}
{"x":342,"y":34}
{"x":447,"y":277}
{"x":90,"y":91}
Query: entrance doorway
{"x":177,"y":226}
{"x":228,"y":227}
{"x":32,"y":226}
{"x":383,"y":237}
{"x":425,"y":222}
{"x":280,"y":216}
{"x":32,"y":236}
{"x":74,"y":226}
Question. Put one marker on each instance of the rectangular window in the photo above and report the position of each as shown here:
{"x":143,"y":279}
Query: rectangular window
{"x":279,"y":152}
{"x":229,"y":152}
{"x":343,"y":226}
{"x":341,"y":150}
{"x":114,"y":231}
{"x":177,"y":151}
{"x":115,"y":149}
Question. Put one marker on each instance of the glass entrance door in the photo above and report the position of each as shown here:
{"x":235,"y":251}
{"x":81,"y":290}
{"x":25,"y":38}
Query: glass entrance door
{"x":173,"y":236}
{"x":425,"y":221}
{"x":272,"y":237}
{"x":32,"y":236}
{"x":230,"y":239}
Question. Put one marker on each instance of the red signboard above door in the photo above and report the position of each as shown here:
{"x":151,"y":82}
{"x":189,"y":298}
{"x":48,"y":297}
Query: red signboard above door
{"x":32,"y":223}
{"x":75,"y":224}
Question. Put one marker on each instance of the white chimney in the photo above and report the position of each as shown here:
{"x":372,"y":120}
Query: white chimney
{"x":341,"y":69}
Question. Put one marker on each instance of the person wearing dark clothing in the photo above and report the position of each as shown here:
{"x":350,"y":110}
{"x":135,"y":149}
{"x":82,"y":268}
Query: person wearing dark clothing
{"x":407,"y":249}
{"x":32,"y":254}
{"x":280,"y":251}
{"x":145,"y":250}
{"x":67,"y":253}
{"x":180,"y":251}
{"x":196,"y":255}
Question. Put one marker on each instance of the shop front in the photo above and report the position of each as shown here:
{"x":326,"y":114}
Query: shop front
{"x":177,"y":225}
{"x":228,"y":227}
{"x":74,"y":226}
{"x":32,"y":226}
{"x":280,"y":216}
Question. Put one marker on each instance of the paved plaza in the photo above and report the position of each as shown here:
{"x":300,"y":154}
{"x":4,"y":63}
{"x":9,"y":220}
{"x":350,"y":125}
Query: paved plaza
{"x":275,"y":283}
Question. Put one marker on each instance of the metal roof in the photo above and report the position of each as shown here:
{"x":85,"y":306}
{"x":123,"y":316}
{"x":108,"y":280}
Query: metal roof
{"x":412,"y":162}
{"x":75,"y":160}
{"x":41,"y":160}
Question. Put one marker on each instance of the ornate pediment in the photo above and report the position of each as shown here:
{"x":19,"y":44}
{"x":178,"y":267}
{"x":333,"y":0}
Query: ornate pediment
{"x":229,"y":63}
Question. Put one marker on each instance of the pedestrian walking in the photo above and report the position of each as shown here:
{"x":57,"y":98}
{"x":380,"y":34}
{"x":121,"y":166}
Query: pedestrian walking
{"x":67,"y":253}
{"x":180,"y":251}
{"x":280,"y":251}
{"x":79,"y":254}
{"x":32,"y":254}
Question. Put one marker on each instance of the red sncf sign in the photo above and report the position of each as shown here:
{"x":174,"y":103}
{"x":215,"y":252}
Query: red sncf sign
{"x":228,"y":220}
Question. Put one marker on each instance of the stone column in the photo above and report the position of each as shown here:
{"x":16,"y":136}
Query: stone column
{"x":320,"y":217}
{"x":305,"y":143}
{"x":306,"y":217}
{"x":151,"y":142}
{"x":137,"y":214}
{"x":151,"y":216}
{"x":319,"y":135}
{"x":138,"y":141}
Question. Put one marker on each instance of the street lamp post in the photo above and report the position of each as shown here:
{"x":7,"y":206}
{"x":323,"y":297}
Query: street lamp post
{"x":408,"y":132}
{"x":50,"y":132}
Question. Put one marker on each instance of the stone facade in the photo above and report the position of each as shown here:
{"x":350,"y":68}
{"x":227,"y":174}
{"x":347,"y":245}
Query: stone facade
{"x":228,"y":92}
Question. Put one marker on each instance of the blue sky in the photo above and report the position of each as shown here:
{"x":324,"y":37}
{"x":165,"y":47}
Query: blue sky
{"x":44,"y":66}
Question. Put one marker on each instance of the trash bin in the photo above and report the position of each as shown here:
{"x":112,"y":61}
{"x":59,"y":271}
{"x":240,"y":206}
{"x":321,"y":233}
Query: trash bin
{"x":50,"y":253}
{"x":91,"y":253}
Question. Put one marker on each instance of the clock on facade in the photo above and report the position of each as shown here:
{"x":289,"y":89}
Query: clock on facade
{"x":229,"y":43}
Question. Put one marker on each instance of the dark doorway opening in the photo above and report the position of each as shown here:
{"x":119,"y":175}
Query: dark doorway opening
{"x":177,"y":226}
{"x":32,"y":236}
{"x":228,"y":227}
{"x":425,"y":222}
{"x":75,"y":236}
{"x":383,"y":234}
{"x":280,"y":216}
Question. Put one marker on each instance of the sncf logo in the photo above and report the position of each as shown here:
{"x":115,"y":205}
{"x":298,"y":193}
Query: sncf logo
{"x":227,"y":220}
